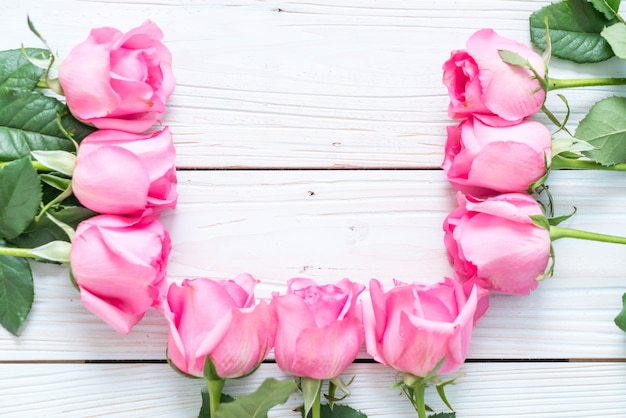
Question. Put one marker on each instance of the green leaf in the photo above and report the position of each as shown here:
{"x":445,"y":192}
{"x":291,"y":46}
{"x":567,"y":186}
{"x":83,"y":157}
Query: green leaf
{"x":340,"y":411}
{"x":16,"y":292}
{"x":443,"y":415}
{"x":616,"y":37}
{"x":607,"y":7}
{"x":604,"y":127}
{"x":20,"y":195}
{"x":620,"y":319}
{"x":205,"y":410}
{"x":272,"y":392}
{"x":44,"y":231}
{"x":28,"y":118}
{"x":28,"y":122}
{"x":17,"y":72}
{"x":575,"y":27}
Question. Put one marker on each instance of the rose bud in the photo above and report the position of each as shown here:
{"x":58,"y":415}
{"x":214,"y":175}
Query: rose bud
{"x":495,"y":243}
{"x":481,"y":84}
{"x":119,"y":266}
{"x":219,"y":319}
{"x":484,"y":160}
{"x":116,"y":80}
{"x":319,"y":328}
{"x":413,"y":327}
{"x":122,"y":173}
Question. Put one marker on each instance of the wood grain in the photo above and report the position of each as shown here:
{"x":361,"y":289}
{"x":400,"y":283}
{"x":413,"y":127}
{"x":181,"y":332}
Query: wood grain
{"x":515,"y":390}
{"x":359,"y":224}
{"x":352,"y":90}
{"x":321,"y":84}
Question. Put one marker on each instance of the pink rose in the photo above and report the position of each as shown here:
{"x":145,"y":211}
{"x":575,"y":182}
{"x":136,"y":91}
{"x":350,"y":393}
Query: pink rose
{"x":495,"y":244}
{"x":319,"y":329}
{"x":119,"y":81}
{"x":122,"y":173}
{"x":218,"y":318}
{"x":119,"y":266}
{"x":481,"y":84}
{"x":412,"y":327}
{"x":486,"y":160}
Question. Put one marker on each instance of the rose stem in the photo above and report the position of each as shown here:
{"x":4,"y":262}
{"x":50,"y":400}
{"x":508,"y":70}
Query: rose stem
{"x":557,"y":232}
{"x":555,"y":83}
{"x":562,"y":162}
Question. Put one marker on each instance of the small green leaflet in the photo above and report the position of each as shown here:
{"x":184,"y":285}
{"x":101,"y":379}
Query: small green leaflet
{"x":28,"y":118}
{"x":443,"y":415}
{"x":616,"y":37}
{"x":541,"y":221}
{"x":575,"y":27}
{"x":20,"y":194}
{"x":604,"y":127}
{"x":17,"y":73}
{"x":16,"y":292}
{"x":28,"y":121}
{"x":620,"y":319}
{"x":608,"y":7}
{"x":513,"y":58}
{"x":205,"y":411}
{"x":272,"y":392}
{"x":339,"y":411}
{"x":44,"y":231}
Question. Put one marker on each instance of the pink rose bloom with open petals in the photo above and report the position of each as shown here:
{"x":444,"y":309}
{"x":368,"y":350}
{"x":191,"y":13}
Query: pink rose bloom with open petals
{"x":495,"y":244}
{"x":116,"y":80}
{"x":481,"y":84}
{"x":319,"y":328}
{"x":219,"y":319}
{"x":119,"y":266}
{"x":412,"y":327}
{"x":143,"y":163}
{"x":484,"y":160}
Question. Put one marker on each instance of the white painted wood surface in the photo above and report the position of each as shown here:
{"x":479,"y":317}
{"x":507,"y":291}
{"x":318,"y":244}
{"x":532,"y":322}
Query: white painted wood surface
{"x":325,"y":84}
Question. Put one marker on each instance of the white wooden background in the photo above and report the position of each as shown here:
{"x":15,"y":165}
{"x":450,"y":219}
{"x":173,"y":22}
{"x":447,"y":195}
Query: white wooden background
{"x":309,"y":136}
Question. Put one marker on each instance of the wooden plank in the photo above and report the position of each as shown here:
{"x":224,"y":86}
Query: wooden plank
{"x":551,"y":390}
{"x":358,"y":224}
{"x":302,"y":84}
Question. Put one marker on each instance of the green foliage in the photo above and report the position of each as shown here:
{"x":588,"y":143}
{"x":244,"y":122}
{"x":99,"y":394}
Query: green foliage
{"x":44,"y":231}
{"x":541,"y":221}
{"x":20,"y":194}
{"x":205,"y":410}
{"x":311,"y":389}
{"x":620,"y":319}
{"x":513,"y":58}
{"x":443,"y":415}
{"x":607,"y":7}
{"x":16,"y":292}
{"x":272,"y":392}
{"x":604,"y":127}
{"x":28,"y":118}
{"x":339,"y":411}
{"x":17,"y":73}
{"x":616,"y":37}
{"x":575,"y":27}
{"x":30,"y":121}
